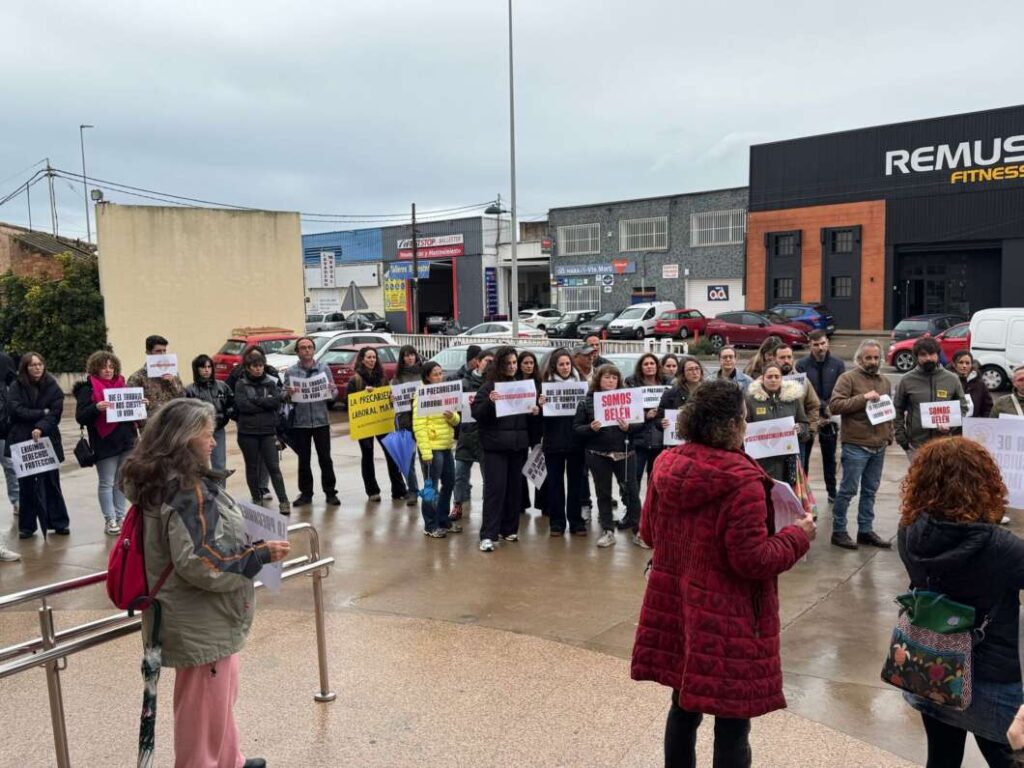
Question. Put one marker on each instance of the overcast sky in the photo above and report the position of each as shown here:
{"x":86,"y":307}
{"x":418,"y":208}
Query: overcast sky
{"x":364,"y":107}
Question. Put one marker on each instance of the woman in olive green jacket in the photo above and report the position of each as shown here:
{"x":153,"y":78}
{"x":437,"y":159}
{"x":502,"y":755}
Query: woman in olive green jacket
{"x":769,"y":397}
{"x":195,"y":543}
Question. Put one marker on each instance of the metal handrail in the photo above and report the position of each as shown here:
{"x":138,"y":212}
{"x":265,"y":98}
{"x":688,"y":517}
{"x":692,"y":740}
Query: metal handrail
{"x":52,"y":647}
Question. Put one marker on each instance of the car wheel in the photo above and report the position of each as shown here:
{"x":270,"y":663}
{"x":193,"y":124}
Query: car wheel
{"x":684,"y":332}
{"x":639,"y":333}
{"x":904,"y":361}
{"x":716,"y":341}
{"x":994,"y":378}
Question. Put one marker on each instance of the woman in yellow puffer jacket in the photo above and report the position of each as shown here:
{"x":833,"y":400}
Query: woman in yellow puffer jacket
{"x":435,"y":438}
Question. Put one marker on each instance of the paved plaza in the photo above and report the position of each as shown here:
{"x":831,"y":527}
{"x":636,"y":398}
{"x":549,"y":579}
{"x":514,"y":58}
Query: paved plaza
{"x":442,"y":655}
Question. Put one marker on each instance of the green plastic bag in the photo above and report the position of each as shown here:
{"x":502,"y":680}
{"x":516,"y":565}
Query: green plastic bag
{"x":936,"y":612}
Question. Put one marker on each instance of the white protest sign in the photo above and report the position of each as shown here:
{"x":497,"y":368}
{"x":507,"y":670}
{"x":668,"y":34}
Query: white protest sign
{"x":311,"y":389}
{"x":970,"y":407}
{"x":536,"y":469}
{"x":161,"y":365}
{"x":672,"y":430}
{"x":436,"y":399}
{"x":32,"y":458}
{"x":263,"y":525}
{"x":787,"y":507}
{"x":125,"y":404}
{"x":944,"y":413}
{"x":1010,"y":416}
{"x":401,"y":396}
{"x":562,"y":397}
{"x":799,"y":378}
{"x":881,"y":410}
{"x":467,"y":407}
{"x":616,"y":404}
{"x":1004,"y":439}
{"x":652,"y":396}
{"x":515,"y":397}
{"x":774,"y":437}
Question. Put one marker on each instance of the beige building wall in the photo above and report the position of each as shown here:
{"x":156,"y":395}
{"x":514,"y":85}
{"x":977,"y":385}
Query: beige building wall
{"x":194,"y":274}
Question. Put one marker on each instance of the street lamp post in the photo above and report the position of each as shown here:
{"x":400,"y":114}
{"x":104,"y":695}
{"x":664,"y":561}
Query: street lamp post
{"x":512,"y":145}
{"x":85,"y":186}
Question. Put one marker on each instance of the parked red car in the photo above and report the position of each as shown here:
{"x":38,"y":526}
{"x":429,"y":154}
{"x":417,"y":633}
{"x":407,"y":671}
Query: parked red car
{"x":749,"y":329}
{"x":680,"y":324}
{"x":342,"y":362}
{"x":901,"y":354}
{"x":230,"y":354}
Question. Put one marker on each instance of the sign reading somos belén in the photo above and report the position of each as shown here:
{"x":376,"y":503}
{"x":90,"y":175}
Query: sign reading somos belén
{"x":616,"y":404}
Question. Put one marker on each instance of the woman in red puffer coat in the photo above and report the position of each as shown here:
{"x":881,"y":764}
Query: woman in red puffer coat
{"x":709,"y":626}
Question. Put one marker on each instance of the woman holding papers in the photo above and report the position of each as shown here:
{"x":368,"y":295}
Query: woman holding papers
{"x":111,"y":441}
{"x":609,"y":454}
{"x":709,"y":626}
{"x":36,"y":403}
{"x":435,"y":437}
{"x":650,"y":439}
{"x":504,"y":441}
{"x":691,"y":375}
{"x":563,"y":453}
{"x":410,"y":369}
{"x":769,"y":397}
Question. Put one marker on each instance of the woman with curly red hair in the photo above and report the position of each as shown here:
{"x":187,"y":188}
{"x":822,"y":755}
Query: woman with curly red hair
{"x":950,"y":542}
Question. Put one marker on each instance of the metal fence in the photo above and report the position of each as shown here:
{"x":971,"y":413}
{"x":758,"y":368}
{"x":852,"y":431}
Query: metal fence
{"x":429,"y":345}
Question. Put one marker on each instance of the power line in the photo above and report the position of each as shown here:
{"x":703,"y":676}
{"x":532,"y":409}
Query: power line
{"x":23,"y":171}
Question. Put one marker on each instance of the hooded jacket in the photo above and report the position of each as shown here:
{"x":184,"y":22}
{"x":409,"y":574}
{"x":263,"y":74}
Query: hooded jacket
{"x":978,"y":564}
{"x":216,"y":393}
{"x":848,"y":401}
{"x":36,"y":408}
{"x":120,"y":440}
{"x":918,"y":387}
{"x":258,"y":404}
{"x":468,"y":448}
{"x":709,"y":626}
{"x":762,"y":406}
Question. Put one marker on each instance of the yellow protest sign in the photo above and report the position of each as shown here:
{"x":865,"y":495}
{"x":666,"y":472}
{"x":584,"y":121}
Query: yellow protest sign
{"x":370,"y":413}
{"x":394,"y":295}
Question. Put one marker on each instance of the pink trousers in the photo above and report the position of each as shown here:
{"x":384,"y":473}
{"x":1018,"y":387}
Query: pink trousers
{"x":205,"y":733}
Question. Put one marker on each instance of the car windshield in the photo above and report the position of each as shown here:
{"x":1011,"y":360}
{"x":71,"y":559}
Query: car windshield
{"x":232,"y":347}
{"x":607,"y":317}
{"x":319,"y":342}
{"x":314,"y":318}
{"x":675,"y":314}
{"x":912,"y":325}
{"x":633,"y":313}
{"x":370,"y":316}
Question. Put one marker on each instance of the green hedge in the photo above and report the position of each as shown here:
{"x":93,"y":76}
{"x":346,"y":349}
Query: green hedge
{"x":60,"y":319}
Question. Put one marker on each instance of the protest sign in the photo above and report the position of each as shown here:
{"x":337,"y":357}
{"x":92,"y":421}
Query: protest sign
{"x":161,"y":365}
{"x":515,"y":397}
{"x":310,"y":389}
{"x":467,"y":407}
{"x":799,"y":378}
{"x":880,"y":411}
{"x":370,"y":413}
{"x":32,"y":458}
{"x":263,"y":525}
{"x":561,"y":398}
{"x":786,"y":506}
{"x":401,"y":396}
{"x":672,"y":430}
{"x":944,"y":413}
{"x":652,"y":396}
{"x":774,"y":437}
{"x":625,"y":404}
{"x":1004,"y":439}
{"x":125,"y":404}
{"x":436,"y":399}
{"x":535,"y":469}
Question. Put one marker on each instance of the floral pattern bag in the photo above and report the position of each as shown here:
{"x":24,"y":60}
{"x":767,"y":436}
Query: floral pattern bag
{"x":931,"y":651}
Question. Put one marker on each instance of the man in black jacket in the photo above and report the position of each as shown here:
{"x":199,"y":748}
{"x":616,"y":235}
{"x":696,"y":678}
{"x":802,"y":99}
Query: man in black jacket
{"x":822,"y":372}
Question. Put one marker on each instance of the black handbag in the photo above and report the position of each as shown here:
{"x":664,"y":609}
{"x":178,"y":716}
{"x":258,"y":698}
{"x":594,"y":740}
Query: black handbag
{"x":84,"y":453}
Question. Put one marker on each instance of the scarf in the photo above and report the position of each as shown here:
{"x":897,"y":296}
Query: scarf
{"x":99,"y":387}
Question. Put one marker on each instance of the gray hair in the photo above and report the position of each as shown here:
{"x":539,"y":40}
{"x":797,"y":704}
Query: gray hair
{"x":864,"y":345}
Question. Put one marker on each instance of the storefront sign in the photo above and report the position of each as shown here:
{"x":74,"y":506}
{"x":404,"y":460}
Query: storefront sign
{"x":491,"y":291}
{"x":619,"y":404}
{"x":404,"y":272}
{"x":394,"y":295}
{"x":718,"y":293}
{"x":436,"y":247}
{"x":774,"y":437}
{"x":1004,"y":439}
{"x":669,"y":271}
{"x":944,"y":414}
{"x":566,"y":270}
{"x":327,"y":265}
{"x":997,"y":159}
{"x":370,"y":413}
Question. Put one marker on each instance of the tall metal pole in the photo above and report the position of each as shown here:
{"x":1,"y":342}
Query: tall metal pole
{"x":53,"y":197}
{"x":512,"y":145}
{"x":415,"y":276}
{"x":28,"y":196}
{"x":85,"y":185}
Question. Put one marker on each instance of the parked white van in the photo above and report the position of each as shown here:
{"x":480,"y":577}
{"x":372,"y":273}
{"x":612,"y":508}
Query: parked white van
{"x":997,"y":344}
{"x":637,"y":321}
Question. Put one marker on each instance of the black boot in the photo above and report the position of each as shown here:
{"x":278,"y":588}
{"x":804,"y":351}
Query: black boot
{"x":842,"y":539}
{"x":872,"y":539}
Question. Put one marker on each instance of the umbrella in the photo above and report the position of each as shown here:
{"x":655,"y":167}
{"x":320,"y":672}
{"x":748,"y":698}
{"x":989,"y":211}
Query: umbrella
{"x":151,"y":662}
{"x":429,"y":493}
{"x":401,"y":446}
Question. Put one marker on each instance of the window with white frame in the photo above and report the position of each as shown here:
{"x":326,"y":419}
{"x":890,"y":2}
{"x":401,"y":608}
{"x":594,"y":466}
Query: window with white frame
{"x":579,"y":239}
{"x":643,"y":234}
{"x":583,"y":298}
{"x":718,"y":228}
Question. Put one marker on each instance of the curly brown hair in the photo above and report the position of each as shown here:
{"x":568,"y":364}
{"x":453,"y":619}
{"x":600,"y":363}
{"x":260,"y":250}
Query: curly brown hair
{"x":953,"y":479}
{"x":97,"y":360}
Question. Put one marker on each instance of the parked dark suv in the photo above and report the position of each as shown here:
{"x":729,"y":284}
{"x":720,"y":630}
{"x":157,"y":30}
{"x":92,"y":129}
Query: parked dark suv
{"x":818,"y":316}
{"x":921,"y":325}
{"x":596,"y":325}
{"x":365,"y":321}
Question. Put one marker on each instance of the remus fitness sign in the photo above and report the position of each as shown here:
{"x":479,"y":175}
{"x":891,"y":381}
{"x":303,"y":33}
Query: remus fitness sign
{"x":968,"y":162}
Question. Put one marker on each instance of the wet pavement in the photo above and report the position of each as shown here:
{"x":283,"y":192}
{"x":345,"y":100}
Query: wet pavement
{"x":837,"y":612}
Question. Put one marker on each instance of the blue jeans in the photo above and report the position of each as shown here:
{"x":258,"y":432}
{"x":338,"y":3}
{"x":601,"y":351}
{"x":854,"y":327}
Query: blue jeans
{"x":863,"y":467}
{"x":113,"y":504}
{"x":219,"y":459}
{"x":463,"y":488}
{"x":440,"y":470}
{"x":9,"y":476}
{"x":411,"y":481}
{"x":993,"y":706}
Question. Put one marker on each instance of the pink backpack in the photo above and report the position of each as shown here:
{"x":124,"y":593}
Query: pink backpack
{"x":126,"y":567}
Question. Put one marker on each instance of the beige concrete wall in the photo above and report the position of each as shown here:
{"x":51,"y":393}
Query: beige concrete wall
{"x":193,"y":274}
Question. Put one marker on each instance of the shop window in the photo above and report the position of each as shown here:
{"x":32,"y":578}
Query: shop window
{"x":579,"y":240}
{"x":718,"y":228}
{"x":842,"y":288}
{"x":782,"y":289}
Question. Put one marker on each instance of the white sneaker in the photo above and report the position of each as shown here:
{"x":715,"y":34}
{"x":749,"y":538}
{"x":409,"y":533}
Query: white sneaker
{"x":585,"y":512}
{"x":1005,"y":520}
{"x":637,"y":541}
{"x":607,"y":539}
{"x":511,"y":537}
{"x":486,"y":545}
{"x":111,"y":528}
{"x":8,"y":556}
